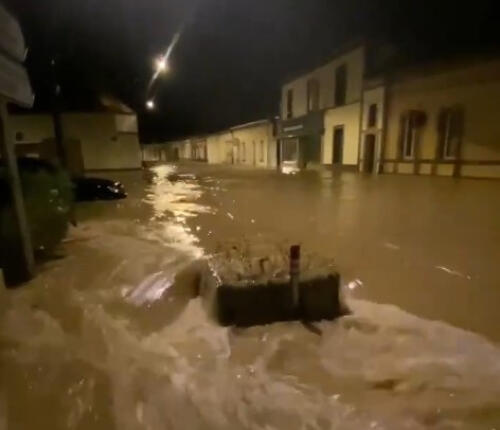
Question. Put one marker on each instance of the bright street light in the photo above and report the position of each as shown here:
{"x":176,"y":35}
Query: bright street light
{"x":150,"y":104}
{"x":161,"y":65}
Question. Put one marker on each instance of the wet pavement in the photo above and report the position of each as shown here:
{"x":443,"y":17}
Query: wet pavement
{"x":111,"y":336}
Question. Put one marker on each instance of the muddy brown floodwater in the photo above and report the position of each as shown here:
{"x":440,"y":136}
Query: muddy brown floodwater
{"x":109,"y":336}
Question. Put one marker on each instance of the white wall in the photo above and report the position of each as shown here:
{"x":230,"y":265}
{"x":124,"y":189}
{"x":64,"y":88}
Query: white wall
{"x":126,"y":123}
{"x":103,"y":147}
{"x":34,"y":128}
{"x":350,"y":118}
{"x":253,"y":142}
{"x":325,"y":75}
{"x":218,"y":148}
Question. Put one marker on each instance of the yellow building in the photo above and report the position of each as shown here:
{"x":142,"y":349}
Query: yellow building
{"x":252,"y":144}
{"x":440,"y":120}
{"x":92,"y":141}
{"x":321,"y":113}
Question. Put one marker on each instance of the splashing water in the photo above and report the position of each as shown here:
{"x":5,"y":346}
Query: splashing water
{"x":112,"y":337}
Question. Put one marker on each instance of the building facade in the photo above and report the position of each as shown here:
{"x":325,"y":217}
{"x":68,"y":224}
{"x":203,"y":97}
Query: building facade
{"x":252,"y":144}
{"x":91,"y":141}
{"x":443,"y":120}
{"x":321,"y":113}
{"x":438,"y":120}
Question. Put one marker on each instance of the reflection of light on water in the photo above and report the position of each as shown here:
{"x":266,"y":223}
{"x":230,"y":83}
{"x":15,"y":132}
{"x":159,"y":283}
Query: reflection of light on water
{"x":289,"y":169}
{"x":354,"y":285}
{"x":174,"y":203}
{"x":392,"y":246}
{"x":150,"y":290}
{"x":453,"y":272}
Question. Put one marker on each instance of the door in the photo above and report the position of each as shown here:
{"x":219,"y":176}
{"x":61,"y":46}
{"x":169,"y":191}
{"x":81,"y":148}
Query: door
{"x":369,"y":154}
{"x":236,"y":153}
{"x":338,"y":145}
{"x":290,"y":151}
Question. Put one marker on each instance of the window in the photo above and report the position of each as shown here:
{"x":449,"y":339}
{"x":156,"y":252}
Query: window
{"x":340,"y":85}
{"x":410,"y":123}
{"x":372,"y":115}
{"x":407,"y":137}
{"x":312,"y":95}
{"x":289,"y":104}
{"x":243,"y":152}
{"x":19,"y":136}
{"x":261,"y":151}
{"x":450,"y":131}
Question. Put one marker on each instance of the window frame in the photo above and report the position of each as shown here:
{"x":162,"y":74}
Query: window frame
{"x":340,"y":84}
{"x":289,"y":103}
{"x":408,"y":134}
{"x":313,"y":95}
{"x":372,"y":117}
{"x":453,"y":120}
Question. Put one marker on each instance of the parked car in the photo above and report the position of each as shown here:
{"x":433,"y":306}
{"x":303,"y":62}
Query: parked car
{"x":49,"y":195}
{"x":91,"y":189}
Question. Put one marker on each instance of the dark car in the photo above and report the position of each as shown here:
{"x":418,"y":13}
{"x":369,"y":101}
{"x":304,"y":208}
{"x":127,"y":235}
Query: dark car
{"x":91,"y":189}
{"x":85,"y":189}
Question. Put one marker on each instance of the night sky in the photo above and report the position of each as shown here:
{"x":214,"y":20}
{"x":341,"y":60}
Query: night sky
{"x":233,"y":55}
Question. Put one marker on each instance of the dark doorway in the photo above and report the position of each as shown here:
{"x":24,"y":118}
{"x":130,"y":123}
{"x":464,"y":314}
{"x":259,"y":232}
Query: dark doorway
{"x":369,"y":154}
{"x":338,"y":145}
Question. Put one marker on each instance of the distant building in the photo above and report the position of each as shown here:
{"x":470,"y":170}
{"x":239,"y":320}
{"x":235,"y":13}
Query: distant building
{"x":252,"y":144}
{"x":92,"y":141}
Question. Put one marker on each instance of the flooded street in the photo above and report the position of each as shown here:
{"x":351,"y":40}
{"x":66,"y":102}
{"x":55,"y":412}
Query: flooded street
{"x":111,"y":335}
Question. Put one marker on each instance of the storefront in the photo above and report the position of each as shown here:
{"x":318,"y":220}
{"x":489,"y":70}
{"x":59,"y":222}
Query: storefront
{"x":300,"y":140}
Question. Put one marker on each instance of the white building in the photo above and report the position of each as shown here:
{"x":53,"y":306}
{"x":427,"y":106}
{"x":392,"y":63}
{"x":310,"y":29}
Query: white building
{"x":92,"y":141}
{"x":253,"y":144}
{"x":321,"y":113}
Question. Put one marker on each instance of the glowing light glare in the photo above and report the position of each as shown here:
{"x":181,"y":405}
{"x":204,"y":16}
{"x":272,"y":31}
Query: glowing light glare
{"x":161,"y":65}
{"x":150,"y":104}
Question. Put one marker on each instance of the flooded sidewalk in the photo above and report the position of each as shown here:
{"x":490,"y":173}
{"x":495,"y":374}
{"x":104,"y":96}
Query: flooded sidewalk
{"x":112,"y":336}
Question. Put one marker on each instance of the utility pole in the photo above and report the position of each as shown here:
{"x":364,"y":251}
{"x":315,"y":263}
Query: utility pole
{"x":18,"y":260}
{"x":21,"y":267}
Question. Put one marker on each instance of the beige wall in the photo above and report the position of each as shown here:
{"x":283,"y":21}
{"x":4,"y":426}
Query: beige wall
{"x":236,"y":146}
{"x":476,"y":89}
{"x":126,"y":123}
{"x":103,"y":147}
{"x":253,"y":142}
{"x":152,"y":152}
{"x":35,"y":128}
{"x":325,"y":75}
{"x":350,"y":118}
{"x":219,"y":148}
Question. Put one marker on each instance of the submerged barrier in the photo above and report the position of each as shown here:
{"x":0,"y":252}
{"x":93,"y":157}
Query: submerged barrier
{"x":261,"y":286}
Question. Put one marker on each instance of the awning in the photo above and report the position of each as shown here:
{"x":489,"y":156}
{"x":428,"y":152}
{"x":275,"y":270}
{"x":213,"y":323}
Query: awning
{"x":310,"y":124}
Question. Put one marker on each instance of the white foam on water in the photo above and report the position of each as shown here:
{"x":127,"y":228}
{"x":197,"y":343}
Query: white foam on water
{"x":377,"y":368}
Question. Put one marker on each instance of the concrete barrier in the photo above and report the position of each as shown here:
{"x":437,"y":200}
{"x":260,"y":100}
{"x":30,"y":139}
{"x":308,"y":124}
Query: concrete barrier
{"x":254,"y":288}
